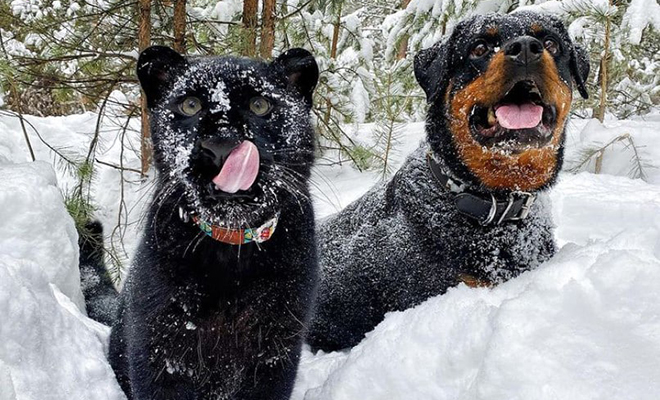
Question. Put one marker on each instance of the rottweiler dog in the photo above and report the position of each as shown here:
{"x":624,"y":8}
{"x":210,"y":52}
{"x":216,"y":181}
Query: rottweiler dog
{"x":470,"y":204}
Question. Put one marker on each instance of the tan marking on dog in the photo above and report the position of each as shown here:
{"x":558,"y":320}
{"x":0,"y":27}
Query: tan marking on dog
{"x":528,"y":170}
{"x":473,"y":282}
{"x":536,"y":28}
{"x":492,"y":30}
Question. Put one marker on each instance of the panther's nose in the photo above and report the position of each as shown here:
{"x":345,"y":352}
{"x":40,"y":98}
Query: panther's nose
{"x":215,"y":151}
{"x":524,"y":50}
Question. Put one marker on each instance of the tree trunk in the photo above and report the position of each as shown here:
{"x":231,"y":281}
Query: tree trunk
{"x":335,"y":34}
{"x":144,"y":40}
{"x":250,"y":8}
{"x":403,"y":44}
{"x":179,"y":23}
{"x":602,"y":106}
{"x":333,"y":55}
{"x":267,"y":29}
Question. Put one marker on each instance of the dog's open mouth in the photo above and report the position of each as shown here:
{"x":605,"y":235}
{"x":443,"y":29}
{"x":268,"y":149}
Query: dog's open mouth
{"x":520,"y":119}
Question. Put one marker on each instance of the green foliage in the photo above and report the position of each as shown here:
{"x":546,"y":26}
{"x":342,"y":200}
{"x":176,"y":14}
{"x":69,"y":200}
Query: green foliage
{"x":80,"y":208}
{"x":393,"y":106}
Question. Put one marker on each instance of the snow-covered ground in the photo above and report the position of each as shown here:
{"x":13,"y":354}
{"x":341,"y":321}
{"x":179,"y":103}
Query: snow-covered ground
{"x":585,"y":325}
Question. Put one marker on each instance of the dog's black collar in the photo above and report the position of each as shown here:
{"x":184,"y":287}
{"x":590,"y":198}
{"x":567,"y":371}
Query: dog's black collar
{"x":485,"y":210}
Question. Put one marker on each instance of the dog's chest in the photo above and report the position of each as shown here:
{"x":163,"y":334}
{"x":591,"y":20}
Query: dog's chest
{"x":212,"y":342}
{"x":493,"y":253}
{"x":452,"y":243}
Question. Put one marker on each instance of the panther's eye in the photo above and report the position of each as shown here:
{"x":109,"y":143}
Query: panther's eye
{"x":551,"y":45}
{"x":479,"y":49}
{"x":190,"y":106}
{"x":260,"y":106}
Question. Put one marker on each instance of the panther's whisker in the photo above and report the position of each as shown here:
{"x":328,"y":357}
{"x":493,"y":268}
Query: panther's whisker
{"x":198,"y":237}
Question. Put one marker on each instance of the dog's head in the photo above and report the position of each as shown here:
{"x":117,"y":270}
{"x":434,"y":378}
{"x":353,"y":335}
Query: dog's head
{"x":500,"y":90}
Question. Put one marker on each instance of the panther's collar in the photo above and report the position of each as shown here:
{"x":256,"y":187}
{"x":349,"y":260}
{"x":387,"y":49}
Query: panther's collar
{"x":487,"y":210}
{"x":235,"y":236}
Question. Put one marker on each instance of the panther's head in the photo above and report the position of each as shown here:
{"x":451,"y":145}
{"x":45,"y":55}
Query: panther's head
{"x":500,"y":90}
{"x":231,"y":136}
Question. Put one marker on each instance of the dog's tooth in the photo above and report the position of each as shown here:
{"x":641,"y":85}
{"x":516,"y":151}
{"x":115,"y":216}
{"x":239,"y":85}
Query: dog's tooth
{"x":492,"y":119}
{"x":183,"y":215}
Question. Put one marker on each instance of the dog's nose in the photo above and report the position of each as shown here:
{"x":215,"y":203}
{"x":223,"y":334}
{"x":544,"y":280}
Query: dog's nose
{"x":215,"y":151}
{"x":525,"y":50}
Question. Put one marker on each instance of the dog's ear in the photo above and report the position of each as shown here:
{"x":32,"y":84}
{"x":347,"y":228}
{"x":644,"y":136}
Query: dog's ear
{"x":432,"y":70}
{"x":300,"y":69}
{"x":580,"y":69}
{"x":157,"y":68}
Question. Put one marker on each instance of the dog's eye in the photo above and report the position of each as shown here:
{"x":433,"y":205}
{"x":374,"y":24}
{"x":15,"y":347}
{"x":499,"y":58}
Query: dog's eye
{"x":551,"y":45}
{"x":260,"y":106}
{"x":479,"y":49}
{"x":190,"y":106}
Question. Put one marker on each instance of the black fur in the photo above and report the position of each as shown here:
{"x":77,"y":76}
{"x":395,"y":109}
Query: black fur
{"x":405,"y":241}
{"x":98,"y":289}
{"x":200,"y":319}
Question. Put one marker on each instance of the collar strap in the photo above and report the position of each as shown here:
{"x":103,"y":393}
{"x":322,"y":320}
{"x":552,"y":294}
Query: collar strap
{"x":485,"y":210}
{"x":235,"y":236}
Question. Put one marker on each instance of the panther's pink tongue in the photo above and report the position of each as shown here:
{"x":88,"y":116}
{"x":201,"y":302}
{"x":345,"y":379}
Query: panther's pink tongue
{"x":240,"y":169}
{"x":513,"y":116}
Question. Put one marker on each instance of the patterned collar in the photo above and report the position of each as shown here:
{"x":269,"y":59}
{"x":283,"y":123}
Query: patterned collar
{"x":234,"y":236}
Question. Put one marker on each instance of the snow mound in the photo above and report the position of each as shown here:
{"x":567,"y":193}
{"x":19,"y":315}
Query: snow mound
{"x":48,"y":348}
{"x":583,"y":326}
{"x":36,"y":226}
{"x":619,"y":158}
{"x":590,"y":207}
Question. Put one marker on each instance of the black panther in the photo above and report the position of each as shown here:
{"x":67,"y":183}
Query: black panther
{"x":219,"y":295}
{"x":469,"y":205}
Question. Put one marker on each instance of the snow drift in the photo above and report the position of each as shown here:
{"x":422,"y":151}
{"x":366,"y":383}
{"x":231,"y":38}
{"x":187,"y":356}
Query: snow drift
{"x":583,"y":326}
{"x":48,"y":348}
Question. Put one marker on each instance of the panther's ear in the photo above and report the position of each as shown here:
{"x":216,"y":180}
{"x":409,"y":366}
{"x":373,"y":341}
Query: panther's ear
{"x":580,"y":69}
{"x":300,"y":69}
{"x":157,"y":67}
{"x":431,"y":69}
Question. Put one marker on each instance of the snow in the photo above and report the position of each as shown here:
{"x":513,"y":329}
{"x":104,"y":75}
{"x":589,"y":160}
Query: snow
{"x":585,"y":325}
{"x":619,"y":158}
{"x":71,"y":137}
{"x":592,"y":208}
{"x":48,"y":348}
{"x":32,"y":213}
{"x":639,"y":15}
{"x":220,"y":99}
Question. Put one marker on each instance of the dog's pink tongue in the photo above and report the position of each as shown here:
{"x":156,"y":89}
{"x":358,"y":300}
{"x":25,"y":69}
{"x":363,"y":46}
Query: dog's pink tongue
{"x":240,"y":169}
{"x":512,"y":116}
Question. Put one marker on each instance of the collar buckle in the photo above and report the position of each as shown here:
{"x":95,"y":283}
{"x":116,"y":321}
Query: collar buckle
{"x":526,"y":206}
{"x":513,"y":197}
{"x":493,"y":211}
